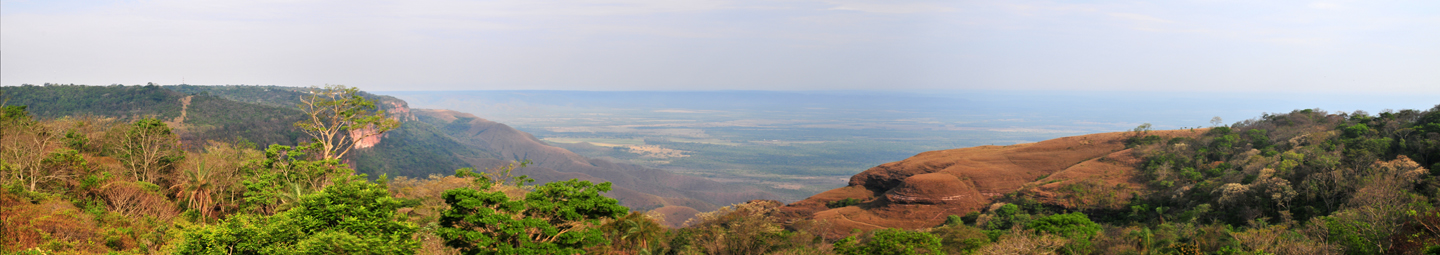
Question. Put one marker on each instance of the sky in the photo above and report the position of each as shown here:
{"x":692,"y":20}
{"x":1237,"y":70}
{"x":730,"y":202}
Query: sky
{"x":1332,"y":47}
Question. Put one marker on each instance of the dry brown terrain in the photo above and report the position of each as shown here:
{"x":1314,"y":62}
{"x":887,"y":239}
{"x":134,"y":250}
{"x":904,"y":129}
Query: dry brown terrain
{"x":922,"y":190}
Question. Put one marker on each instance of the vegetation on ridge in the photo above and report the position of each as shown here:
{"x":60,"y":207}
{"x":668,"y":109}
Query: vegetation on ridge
{"x":1304,"y":182}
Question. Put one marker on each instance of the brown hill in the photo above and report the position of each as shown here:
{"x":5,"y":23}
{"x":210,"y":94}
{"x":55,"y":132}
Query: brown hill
{"x":637,"y":187}
{"x":922,"y":190}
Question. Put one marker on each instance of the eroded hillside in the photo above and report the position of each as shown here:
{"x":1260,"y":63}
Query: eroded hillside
{"x":920,"y":191}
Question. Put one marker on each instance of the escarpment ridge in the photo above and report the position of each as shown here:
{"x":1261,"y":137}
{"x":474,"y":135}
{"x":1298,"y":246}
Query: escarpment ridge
{"x":922,"y":190}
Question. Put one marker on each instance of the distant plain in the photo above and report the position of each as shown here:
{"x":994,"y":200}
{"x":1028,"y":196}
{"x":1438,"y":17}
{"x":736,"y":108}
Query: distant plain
{"x":796,"y":144}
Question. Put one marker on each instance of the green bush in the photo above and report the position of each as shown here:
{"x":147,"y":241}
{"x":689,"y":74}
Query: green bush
{"x":352,"y":216}
{"x":842,"y":203}
{"x":891,"y":242}
{"x":1075,"y":226}
{"x":553,"y":219}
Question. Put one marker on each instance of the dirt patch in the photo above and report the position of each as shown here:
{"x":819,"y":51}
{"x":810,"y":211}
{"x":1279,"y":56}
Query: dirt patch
{"x":675,"y":215}
{"x":184,"y":106}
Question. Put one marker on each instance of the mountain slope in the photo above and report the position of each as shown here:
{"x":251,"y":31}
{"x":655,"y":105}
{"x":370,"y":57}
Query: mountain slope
{"x":638,"y":187}
{"x":428,"y":141}
{"x":921,"y":191}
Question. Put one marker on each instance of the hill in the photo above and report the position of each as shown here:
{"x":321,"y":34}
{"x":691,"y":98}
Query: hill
{"x":223,"y":113}
{"x":1304,"y":182}
{"x":1358,"y":181}
{"x":921,"y":191}
{"x":429,"y":142}
{"x":640,"y":188}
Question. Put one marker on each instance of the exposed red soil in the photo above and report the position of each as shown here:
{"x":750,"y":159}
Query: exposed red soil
{"x":922,"y":190}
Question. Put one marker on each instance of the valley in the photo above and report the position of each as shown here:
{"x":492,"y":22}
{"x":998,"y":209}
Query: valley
{"x":797,"y":144}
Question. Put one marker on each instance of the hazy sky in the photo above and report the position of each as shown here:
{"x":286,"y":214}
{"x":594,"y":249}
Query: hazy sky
{"x":1202,"y":45}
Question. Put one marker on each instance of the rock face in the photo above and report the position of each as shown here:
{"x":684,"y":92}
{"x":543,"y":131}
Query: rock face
{"x":933,"y":188}
{"x":394,"y":108}
{"x":365,"y":137}
{"x":921,"y":191}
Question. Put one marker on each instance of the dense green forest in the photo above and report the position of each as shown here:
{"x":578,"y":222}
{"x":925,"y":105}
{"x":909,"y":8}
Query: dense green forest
{"x":1304,"y":182}
{"x":56,"y":100}
{"x":277,"y":96}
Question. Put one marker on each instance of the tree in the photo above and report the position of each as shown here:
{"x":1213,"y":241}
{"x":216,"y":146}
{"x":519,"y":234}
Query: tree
{"x":65,"y":165}
{"x":1075,"y":226}
{"x":633,"y":232}
{"x":338,"y":117}
{"x":148,"y":148}
{"x":557,"y":218}
{"x":353,"y":216}
{"x":1142,"y":129}
{"x":284,"y":176}
{"x":207,"y":180}
{"x":23,"y":142}
{"x":892,"y":241}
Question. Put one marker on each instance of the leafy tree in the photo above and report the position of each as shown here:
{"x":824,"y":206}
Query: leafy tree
{"x":891,"y":241}
{"x":556,"y":218}
{"x":66,"y":164}
{"x":353,"y":216}
{"x":338,"y":117}
{"x":285,"y":175}
{"x":1075,"y":226}
{"x":14,"y":113}
{"x":1006,"y":217}
{"x":1071,"y":224}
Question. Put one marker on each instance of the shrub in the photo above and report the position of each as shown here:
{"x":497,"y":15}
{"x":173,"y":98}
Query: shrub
{"x":556,"y":218}
{"x":891,"y":241}
{"x":842,"y":203}
{"x":351,"y":216}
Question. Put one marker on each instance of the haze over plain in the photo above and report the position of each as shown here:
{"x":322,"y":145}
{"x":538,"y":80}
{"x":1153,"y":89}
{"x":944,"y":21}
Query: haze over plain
{"x":1331,"y":47}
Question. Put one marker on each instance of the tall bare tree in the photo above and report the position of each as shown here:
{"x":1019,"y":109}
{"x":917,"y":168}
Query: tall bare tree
{"x":23,"y":143}
{"x":149,"y":148}
{"x":339,"y":117}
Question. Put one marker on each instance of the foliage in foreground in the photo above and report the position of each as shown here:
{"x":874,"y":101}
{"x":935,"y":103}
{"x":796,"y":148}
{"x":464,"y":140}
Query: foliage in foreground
{"x":351,"y":216}
{"x":1306,"y":182}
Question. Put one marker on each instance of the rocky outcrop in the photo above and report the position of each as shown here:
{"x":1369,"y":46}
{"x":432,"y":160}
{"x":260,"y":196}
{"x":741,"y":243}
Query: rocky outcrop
{"x":395,"y":109}
{"x":922,"y":190}
{"x":933,"y":188}
{"x":365,"y":137}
